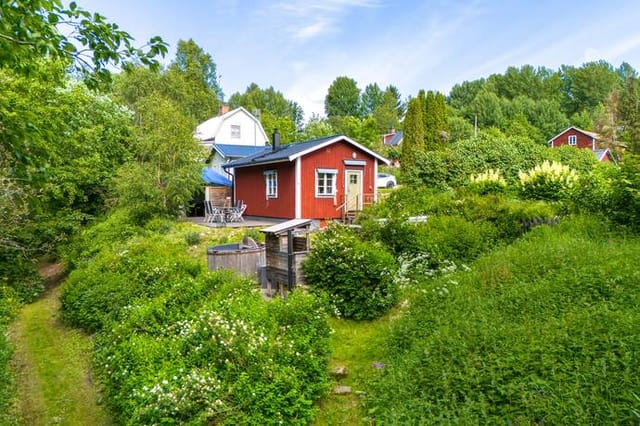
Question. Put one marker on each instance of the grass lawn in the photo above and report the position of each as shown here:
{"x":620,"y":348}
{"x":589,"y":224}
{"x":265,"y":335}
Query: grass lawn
{"x":356,"y":345}
{"x":51,"y":364}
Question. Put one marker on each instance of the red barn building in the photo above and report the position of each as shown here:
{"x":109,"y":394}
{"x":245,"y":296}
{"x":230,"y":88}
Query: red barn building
{"x":579,"y":138}
{"x":325,"y":178}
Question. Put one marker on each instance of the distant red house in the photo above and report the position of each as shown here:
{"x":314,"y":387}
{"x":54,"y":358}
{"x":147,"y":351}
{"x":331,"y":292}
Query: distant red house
{"x":318,"y":179}
{"x":579,"y":138}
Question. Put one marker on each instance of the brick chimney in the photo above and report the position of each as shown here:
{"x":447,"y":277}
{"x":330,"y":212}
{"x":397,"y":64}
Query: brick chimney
{"x":223,"y":109}
{"x":276,"y":140}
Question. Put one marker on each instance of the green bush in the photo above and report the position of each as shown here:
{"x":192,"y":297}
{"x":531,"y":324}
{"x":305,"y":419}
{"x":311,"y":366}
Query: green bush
{"x":548,"y":181}
{"x":545,"y":330}
{"x":176,"y":344}
{"x":218,"y":354}
{"x":511,"y":217}
{"x":625,"y":202}
{"x":488,"y":182}
{"x":122,"y":274}
{"x":356,"y":275}
{"x":102,"y":235}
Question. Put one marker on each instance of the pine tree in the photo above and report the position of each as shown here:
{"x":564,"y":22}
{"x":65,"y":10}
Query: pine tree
{"x":441,"y":118}
{"x":629,"y":113}
{"x":430,"y":122}
{"x":413,"y":136}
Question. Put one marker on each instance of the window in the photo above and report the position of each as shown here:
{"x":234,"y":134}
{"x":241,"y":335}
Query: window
{"x":573,"y":139}
{"x":326,"y":182}
{"x":271,"y":183}
{"x":235,"y":131}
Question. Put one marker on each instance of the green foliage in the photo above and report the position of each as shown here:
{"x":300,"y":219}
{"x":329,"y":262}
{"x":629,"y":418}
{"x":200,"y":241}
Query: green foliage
{"x":356,"y":276}
{"x":176,"y":344}
{"x":271,"y":107}
{"x":435,"y":120}
{"x":167,"y":171}
{"x":197,"y":66}
{"x":451,"y":167}
{"x":414,"y":136}
{"x":510,"y":218}
{"x":7,"y":390}
{"x":541,"y":331}
{"x":387,"y":114}
{"x":138,"y":269}
{"x":33,"y":30}
{"x":548,"y":181}
{"x":101,"y":236}
{"x":625,"y":198}
{"x":488,"y":182}
{"x":588,"y":86}
{"x":343,"y":98}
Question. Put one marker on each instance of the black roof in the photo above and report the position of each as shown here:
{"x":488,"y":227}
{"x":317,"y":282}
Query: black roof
{"x":289,"y":152}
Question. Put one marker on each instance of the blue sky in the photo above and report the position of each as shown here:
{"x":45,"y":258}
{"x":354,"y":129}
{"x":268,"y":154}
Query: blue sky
{"x":300,"y":46}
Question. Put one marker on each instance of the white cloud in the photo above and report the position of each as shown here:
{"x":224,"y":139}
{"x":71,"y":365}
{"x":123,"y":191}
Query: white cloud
{"x":308,"y":19}
{"x":311,"y":30}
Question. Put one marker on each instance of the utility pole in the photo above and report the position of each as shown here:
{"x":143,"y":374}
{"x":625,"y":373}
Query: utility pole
{"x":475,"y":126}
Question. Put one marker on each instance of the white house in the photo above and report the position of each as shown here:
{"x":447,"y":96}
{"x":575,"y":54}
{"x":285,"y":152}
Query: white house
{"x":231,"y":135}
{"x":236,"y":127}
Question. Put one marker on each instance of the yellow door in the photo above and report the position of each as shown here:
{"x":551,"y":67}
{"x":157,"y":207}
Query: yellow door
{"x":354,"y":190}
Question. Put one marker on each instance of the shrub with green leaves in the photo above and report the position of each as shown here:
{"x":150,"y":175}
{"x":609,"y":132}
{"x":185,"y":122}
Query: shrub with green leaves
{"x":357,"y":276}
{"x":9,"y":303}
{"x":211,"y":350}
{"x":547,"y":181}
{"x":543,"y":331}
{"x":176,"y":344}
{"x":487,"y":182}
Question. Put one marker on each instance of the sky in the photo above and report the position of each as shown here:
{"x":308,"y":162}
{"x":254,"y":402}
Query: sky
{"x":301,"y":46}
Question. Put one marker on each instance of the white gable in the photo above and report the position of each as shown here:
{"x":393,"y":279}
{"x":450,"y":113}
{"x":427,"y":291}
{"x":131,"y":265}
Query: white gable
{"x":237,"y":127}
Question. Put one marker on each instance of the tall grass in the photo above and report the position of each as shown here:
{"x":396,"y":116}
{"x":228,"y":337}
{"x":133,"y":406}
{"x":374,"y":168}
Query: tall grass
{"x":543,"y":331}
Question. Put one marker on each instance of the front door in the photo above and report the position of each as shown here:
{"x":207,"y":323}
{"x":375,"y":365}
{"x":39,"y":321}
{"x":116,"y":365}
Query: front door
{"x":353,"y":190}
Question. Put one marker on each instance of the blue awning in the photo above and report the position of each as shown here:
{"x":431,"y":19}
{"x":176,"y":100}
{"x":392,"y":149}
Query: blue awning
{"x":213,"y":177}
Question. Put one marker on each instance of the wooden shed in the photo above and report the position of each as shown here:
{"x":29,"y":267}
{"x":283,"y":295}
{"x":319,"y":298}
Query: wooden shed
{"x":287,"y":246}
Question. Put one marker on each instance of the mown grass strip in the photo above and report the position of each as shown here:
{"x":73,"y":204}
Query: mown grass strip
{"x":355,"y":345}
{"x":51,"y":363}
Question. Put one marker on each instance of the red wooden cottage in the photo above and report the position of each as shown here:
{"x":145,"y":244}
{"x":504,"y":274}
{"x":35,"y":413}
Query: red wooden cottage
{"x":579,"y":138}
{"x":326,"y":178}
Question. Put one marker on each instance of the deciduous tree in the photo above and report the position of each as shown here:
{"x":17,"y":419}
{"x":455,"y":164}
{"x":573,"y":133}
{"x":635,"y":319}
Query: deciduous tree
{"x":343,"y":98}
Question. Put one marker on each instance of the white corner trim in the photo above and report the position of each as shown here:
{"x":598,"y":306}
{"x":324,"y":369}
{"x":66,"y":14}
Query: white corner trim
{"x":298,"y":188}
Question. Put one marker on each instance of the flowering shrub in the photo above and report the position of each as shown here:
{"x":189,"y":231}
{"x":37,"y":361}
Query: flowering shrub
{"x":176,"y":344}
{"x":488,"y":182}
{"x":231,"y":358}
{"x":357,"y":276}
{"x":548,"y":181}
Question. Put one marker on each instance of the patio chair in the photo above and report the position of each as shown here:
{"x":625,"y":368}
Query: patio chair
{"x":208,"y":211}
{"x":218,"y":214}
{"x":235,"y":215}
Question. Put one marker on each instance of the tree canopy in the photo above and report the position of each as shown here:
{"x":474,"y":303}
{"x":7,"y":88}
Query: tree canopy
{"x":343,"y":98}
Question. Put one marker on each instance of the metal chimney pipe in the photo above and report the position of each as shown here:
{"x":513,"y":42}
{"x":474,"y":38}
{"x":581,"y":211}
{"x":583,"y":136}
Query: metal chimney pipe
{"x":276,"y":140}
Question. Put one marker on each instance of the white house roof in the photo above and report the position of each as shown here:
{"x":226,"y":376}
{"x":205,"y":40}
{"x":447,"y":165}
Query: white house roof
{"x":208,"y":130}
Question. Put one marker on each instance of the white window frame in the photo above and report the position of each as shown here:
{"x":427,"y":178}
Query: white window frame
{"x":235,"y":131}
{"x":573,"y":140}
{"x":271,"y":184}
{"x":321,"y":183}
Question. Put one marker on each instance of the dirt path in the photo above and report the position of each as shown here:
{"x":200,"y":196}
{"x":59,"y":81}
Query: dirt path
{"x":51,"y":363}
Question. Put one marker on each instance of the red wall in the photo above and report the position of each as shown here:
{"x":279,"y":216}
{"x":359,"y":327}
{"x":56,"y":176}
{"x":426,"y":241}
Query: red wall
{"x":332,"y":157}
{"x":250,"y":187}
{"x":250,"y":184}
{"x":583,"y":141}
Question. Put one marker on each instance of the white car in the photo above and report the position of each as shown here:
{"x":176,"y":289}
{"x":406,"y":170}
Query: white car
{"x":385,"y":180}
